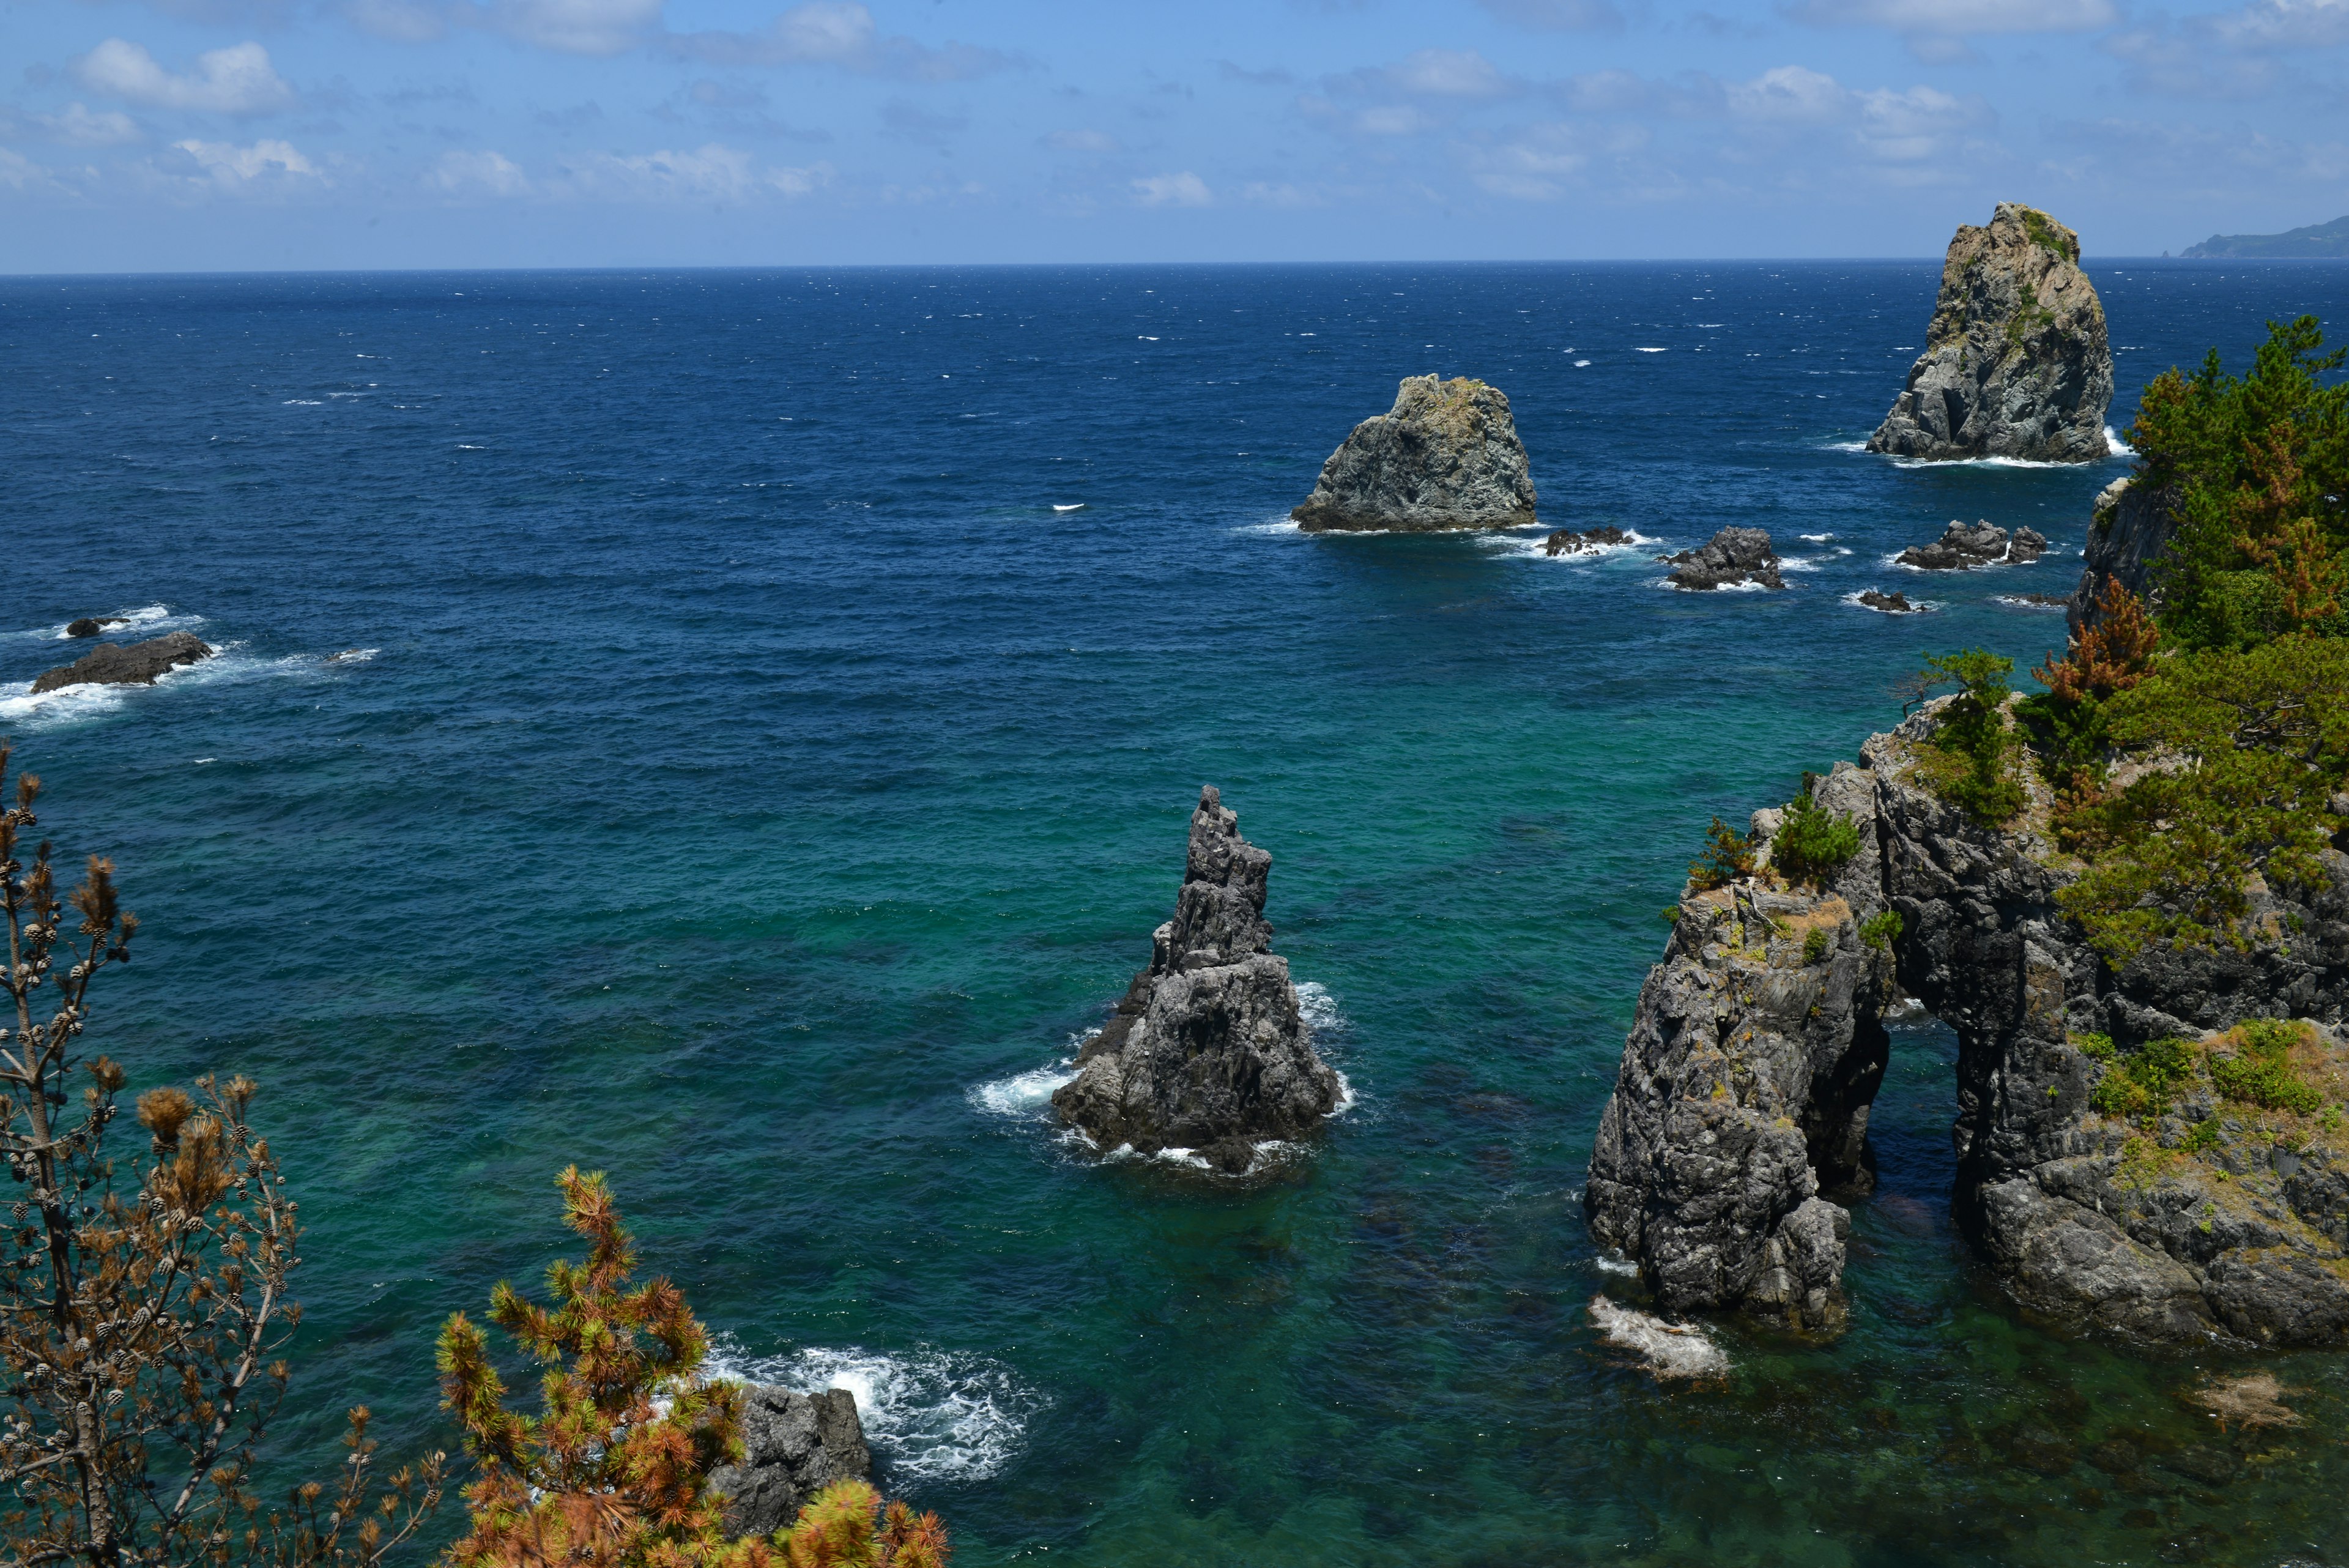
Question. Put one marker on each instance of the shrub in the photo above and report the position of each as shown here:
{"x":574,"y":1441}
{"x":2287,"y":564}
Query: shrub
{"x":1811,"y":841}
{"x":1728,"y":855}
{"x":2260,"y":1071}
{"x":1880,"y":931}
{"x":2141,"y":1084}
{"x":2205,"y":1134}
{"x":1973,"y":736}
{"x":1815,"y":943}
{"x":837,"y":1531}
{"x":2096,"y":1047}
{"x":143,"y":1297}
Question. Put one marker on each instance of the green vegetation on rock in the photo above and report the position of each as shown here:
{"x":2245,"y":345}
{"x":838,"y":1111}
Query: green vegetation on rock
{"x":1811,"y":841}
{"x":1972,"y":766}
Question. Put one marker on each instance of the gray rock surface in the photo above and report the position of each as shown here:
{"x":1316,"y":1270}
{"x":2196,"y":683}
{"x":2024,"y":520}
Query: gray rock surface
{"x":1742,"y":1096}
{"x":91,"y":625}
{"x":1567,"y":541}
{"x":1964,"y":545}
{"x":794,"y":1445}
{"x":2016,"y":362}
{"x":1207,"y":1051}
{"x":1890,"y":603}
{"x":126,"y":664}
{"x":1732,"y":556}
{"x":1445,"y":456}
{"x":2130,"y":526}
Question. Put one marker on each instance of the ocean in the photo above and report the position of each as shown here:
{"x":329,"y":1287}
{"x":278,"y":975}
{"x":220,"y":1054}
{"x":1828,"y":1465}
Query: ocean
{"x":769,"y":709}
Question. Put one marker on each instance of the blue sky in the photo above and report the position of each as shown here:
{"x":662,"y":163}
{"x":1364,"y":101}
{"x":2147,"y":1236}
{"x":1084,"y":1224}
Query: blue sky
{"x":204,"y":134}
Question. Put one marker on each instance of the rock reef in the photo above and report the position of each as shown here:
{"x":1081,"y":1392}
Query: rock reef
{"x":1445,"y":456}
{"x":1208,"y":1050}
{"x":1730,"y":558}
{"x":91,"y":625}
{"x":2016,"y":362}
{"x":1567,"y":541}
{"x":794,"y":1445}
{"x":1741,"y":1103}
{"x":1890,"y":603}
{"x":1964,"y":545}
{"x":126,"y":664}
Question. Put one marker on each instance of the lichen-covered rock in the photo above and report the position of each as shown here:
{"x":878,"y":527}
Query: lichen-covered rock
{"x":1445,"y":456}
{"x":794,"y":1445}
{"x":1208,"y":1050}
{"x":2130,"y":524}
{"x":2016,"y":362}
{"x":126,"y":664}
{"x":1964,"y":545}
{"x":1731,"y":558}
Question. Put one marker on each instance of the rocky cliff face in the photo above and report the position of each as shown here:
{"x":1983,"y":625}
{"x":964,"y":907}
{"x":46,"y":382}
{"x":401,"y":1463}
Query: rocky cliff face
{"x":794,"y":1445}
{"x":2016,"y":362}
{"x":1445,"y":456}
{"x":2130,"y":525}
{"x":1208,"y":1050}
{"x":1752,"y":1057}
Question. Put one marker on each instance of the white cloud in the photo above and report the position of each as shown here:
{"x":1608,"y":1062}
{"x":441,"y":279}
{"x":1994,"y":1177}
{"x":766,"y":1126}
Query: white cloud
{"x":237,"y":80}
{"x":1183,"y":190}
{"x":2278,"y":24}
{"x":80,"y":127}
{"x":1914,"y":126}
{"x":713,"y":172}
{"x":477,"y":173}
{"x":1961,"y":18}
{"x":576,"y":27}
{"x":1448,"y":73}
{"x":1080,"y":142}
{"x":266,"y":161}
{"x":18,"y":173}
{"x":1788,"y":95}
{"x":839,"y":33}
{"x":401,"y":21}
{"x":1392,"y":120}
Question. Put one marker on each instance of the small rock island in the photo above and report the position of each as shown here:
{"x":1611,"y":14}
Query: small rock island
{"x":127,"y":663}
{"x":1208,"y":1051}
{"x":2016,"y":362}
{"x":793,"y":1446}
{"x":1446,"y":456}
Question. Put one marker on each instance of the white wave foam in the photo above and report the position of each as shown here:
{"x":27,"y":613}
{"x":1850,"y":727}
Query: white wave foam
{"x":466,"y":446}
{"x":930,"y":1415}
{"x":1615,"y":1263}
{"x":1816,"y":538}
{"x":1847,"y":446}
{"x":1582,"y":364}
{"x":1537,"y":549}
{"x":71,"y":704}
{"x":302,"y":404}
{"x":137,"y":622}
{"x":1285,"y":526}
{"x":1797,"y":564}
{"x":2120,"y":448}
{"x":1745,"y":587}
{"x":1854,"y":601}
{"x":1647,"y":350}
{"x":1073,"y":506}
{"x":1670,"y":1349}
{"x":2019,"y":602}
{"x":353,"y":656}
{"x":1319,"y":1008}
{"x":1022,"y":1094}
{"x":1347,"y":1098}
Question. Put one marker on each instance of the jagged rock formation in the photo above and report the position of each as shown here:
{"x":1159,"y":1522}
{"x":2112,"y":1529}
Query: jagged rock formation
{"x":126,"y":664}
{"x":91,"y":625}
{"x":1963,"y":544}
{"x":1208,"y":1050}
{"x":1445,"y":456}
{"x":1729,"y":558}
{"x":1890,"y":603}
{"x":2016,"y":362}
{"x":2130,"y":525}
{"x":1741,"y":1096}
{"x":1567,"y":541}
{"x":794,"y":1445}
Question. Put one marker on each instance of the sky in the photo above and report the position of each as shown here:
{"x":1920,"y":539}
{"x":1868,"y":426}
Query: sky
{"x":199,"y":135}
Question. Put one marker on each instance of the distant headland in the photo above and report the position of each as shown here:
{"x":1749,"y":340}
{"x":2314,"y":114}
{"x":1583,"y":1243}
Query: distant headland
{"x":2318,"y":241}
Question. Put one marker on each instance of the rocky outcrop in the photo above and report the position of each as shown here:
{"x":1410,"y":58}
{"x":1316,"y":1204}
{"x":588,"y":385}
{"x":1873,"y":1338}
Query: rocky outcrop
{"x":1890,"y":603}
{"x":1445,"y":456}
{"x":91,"y":625}
{"x":126,"y":664}
{"x":2016,"y":362}
{"x":1208,"y":1050}
{"x":1740,"y":1103}
{"x":1730,"y":558}
{"x":794,"y":1445}
{"x":2130,"y":526}
{"x":1567,"y":541}
{"x":1964,"y":545}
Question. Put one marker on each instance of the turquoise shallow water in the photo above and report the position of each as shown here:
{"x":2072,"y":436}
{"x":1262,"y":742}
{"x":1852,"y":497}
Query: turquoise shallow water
{"x":755,"y":786}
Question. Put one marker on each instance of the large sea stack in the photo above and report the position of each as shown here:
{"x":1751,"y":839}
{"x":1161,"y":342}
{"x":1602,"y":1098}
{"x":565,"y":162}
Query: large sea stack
{"x":1208,"y":1051}
{"x":1445,"y":456}
{"x":2016,"y":362}
{"x":1741,"y":1105}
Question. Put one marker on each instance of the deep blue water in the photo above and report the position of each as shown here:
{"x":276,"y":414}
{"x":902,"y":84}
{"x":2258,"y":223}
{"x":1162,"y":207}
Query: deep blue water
{"x":753,"y":785}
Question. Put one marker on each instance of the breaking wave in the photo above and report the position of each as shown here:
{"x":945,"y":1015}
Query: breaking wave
{"x":929,"y":1414}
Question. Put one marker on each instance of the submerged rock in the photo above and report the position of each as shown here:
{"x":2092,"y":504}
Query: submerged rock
{"x":794,"y":1445}
{"x":1208,"y":1050}
{"x":1666,"y":1349}
{"x":1567,"y":541}
{"x":1445,"y":456}
{"x":91,"y":625}
{"x":127,"y":664}
{"x":1732,"y":556}
{"x":2016,"y":362}
{"x":1890,"y":603}
{"x":1964,"y":545}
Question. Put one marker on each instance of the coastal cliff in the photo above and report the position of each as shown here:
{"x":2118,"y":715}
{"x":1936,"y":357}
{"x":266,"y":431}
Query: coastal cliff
{"x":1445,"y":456}
{"x":2016,"y":362}
{"x":2168,"y":1201}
